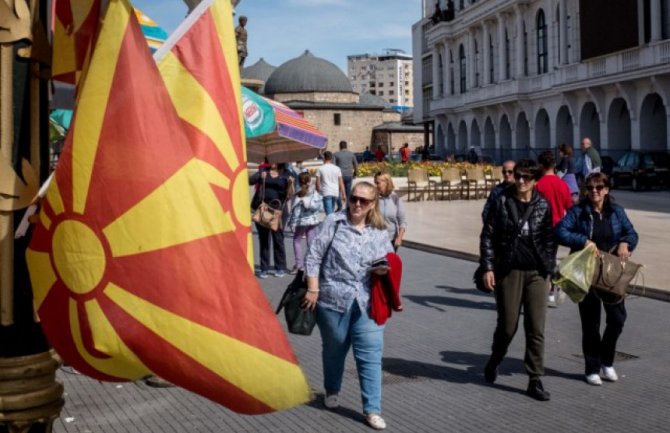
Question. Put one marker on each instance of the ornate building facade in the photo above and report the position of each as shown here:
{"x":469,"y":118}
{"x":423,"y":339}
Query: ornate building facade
{"x":513,"y":78}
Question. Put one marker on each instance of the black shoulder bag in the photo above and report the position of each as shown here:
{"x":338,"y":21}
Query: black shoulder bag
{"x":300,"y":320}
{"x":478,"y":276}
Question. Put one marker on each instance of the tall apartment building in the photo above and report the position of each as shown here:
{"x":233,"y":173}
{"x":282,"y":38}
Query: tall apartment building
{"x":513,"y":77}
{"x":387,"y":75}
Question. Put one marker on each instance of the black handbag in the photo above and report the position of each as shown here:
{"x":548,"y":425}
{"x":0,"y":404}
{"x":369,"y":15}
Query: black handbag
{"x":300,"y":320}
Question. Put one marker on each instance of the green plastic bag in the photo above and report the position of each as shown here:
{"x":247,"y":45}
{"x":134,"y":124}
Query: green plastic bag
{"x":575,"y":273}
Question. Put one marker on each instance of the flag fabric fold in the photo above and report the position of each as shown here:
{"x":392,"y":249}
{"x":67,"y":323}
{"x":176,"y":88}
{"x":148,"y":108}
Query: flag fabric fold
{"x":75,"y":26}
{"x":136,"y":264}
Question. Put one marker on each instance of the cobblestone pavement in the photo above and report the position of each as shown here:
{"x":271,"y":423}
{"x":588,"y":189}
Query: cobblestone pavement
{"x":433,"y":360}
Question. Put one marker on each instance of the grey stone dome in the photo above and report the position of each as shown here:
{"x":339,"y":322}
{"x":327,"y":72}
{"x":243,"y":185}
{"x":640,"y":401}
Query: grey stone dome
{"x":307,"y":73}
{"x":261,"y":70}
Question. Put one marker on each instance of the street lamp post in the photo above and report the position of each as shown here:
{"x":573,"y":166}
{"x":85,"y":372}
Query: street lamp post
{"x":30,"y":397}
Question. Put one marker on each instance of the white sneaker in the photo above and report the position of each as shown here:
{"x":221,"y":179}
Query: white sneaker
{"x":608,"y":374}
{"x":375,"y":421}
{"x":593,"y":379}
{"x":331,"y":401}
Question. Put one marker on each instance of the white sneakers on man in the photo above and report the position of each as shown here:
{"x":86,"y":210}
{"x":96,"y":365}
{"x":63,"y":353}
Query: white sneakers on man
{"x":593,"y":379}
{"x":608,"y":374}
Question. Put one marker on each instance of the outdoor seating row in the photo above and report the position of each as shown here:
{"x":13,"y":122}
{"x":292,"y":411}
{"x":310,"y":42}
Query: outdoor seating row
{"x":471,"y":183}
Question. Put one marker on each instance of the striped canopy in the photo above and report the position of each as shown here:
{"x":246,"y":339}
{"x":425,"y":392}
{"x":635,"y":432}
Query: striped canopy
{"x":153,"y":33}
{"x":278,"y":133}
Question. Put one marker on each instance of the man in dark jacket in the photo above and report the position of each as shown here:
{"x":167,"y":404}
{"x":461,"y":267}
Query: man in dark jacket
{"x":517,"y":254}
{"x":496,"y":192}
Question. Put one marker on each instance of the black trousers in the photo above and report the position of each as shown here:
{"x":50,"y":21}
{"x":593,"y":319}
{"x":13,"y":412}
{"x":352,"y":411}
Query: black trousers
{"x":599,"y":351}
{"x":264,"y":236}
{"x":514,"y":290}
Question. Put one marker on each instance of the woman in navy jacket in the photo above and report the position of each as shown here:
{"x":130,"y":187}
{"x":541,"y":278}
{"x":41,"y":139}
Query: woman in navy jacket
{"x":598,"y":220}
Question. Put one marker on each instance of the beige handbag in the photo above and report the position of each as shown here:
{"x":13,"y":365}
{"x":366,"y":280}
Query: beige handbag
{"x":268,"y":216}
{"x":613,"y":275}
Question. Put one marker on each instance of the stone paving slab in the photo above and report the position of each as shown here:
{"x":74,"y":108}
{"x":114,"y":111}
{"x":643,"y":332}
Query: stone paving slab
{"x":434,"y":354}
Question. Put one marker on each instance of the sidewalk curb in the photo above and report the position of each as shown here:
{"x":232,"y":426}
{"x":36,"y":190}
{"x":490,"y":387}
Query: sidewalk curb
{"x":634,"y":290}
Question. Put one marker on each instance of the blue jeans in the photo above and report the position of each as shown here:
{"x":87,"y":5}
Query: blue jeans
{"x":329,"y":204}
{"x":356,"y":329}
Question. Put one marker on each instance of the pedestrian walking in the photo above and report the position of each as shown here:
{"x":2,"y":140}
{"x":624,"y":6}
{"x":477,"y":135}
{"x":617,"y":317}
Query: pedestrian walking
{"x":306,"y":208}
{"x":391,"y":209}
{"x":557,"y":193}
{"x":599,"y":220}
{"x":346,"y":160}
{"x":496,"y":192}
{"x":274,"y":185}
{"x":379,"y":154}
{"x":566,"y":170}
{"x":339,"y":280}
{"x":329,"y":183}
{"x":517,"y":255}
{"x":592,"y":162}
{"x":405,"y":152}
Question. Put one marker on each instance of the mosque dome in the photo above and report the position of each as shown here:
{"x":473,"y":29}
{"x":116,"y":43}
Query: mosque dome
{"x":307,"y":73}
{"x":261,"y":70}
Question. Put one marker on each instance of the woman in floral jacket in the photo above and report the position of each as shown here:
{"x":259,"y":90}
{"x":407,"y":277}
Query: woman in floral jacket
{"x":305,"y":216}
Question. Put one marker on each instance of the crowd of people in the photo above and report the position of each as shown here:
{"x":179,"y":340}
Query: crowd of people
{"x":535,"y":208}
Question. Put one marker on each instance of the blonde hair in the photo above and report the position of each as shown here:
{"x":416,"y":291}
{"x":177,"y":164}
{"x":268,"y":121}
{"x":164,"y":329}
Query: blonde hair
{"x":374,"y":217}
{"x":386,"y":177}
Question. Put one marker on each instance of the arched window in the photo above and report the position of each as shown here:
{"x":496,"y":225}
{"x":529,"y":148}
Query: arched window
{"x":558,"y":32}
{"x":508,"y":61}
{"x":462,"y":67}
{"x":492,"y":78}
{"x":542,"y":58}
{"x":440,"y":74}
{"x":525,"y":50}
{"x":475,"y":64}
{"x":451,"y":73}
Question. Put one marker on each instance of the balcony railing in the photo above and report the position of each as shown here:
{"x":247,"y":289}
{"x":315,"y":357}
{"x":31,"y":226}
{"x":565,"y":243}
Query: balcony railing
{"x":628,"y":62}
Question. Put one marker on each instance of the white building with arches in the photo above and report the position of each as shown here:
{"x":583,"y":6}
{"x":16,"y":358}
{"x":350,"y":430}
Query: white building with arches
{"x":513,"y":78}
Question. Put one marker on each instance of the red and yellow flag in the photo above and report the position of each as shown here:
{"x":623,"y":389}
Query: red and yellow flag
{"x":75,"y":26}
{"x":200,"y":69}
{"x":135,"y":264}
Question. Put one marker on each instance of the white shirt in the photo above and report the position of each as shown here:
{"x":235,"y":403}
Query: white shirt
{"x":329,"y":175}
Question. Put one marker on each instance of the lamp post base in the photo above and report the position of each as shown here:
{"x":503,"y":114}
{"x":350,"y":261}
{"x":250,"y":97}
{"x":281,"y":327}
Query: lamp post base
{"x":29,"y":393}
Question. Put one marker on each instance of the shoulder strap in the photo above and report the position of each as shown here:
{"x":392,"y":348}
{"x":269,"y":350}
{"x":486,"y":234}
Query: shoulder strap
{"x":514,"y":211}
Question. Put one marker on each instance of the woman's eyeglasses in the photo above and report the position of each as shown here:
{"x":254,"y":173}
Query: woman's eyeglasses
{"x":595,"y":187}
{"x":526,"y":177}
{"x":353,"y":199}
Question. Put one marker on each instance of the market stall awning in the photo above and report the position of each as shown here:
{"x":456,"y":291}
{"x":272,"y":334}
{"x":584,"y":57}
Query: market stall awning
{"x":276,"y":132}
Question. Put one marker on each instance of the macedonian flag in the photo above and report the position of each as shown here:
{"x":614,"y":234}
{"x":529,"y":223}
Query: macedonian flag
{"x":199,"y":66}
{"x":135,"y":265}
{"x":75,"y":26}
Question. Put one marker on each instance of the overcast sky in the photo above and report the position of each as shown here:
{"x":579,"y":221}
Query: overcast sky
{"x":280,"y":30}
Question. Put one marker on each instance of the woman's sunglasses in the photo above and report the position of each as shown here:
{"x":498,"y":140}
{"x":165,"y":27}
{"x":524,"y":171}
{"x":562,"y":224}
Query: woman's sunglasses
{"x":595,"y":187}
{"x":525,"y":177}
{"x":353,"y":199}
